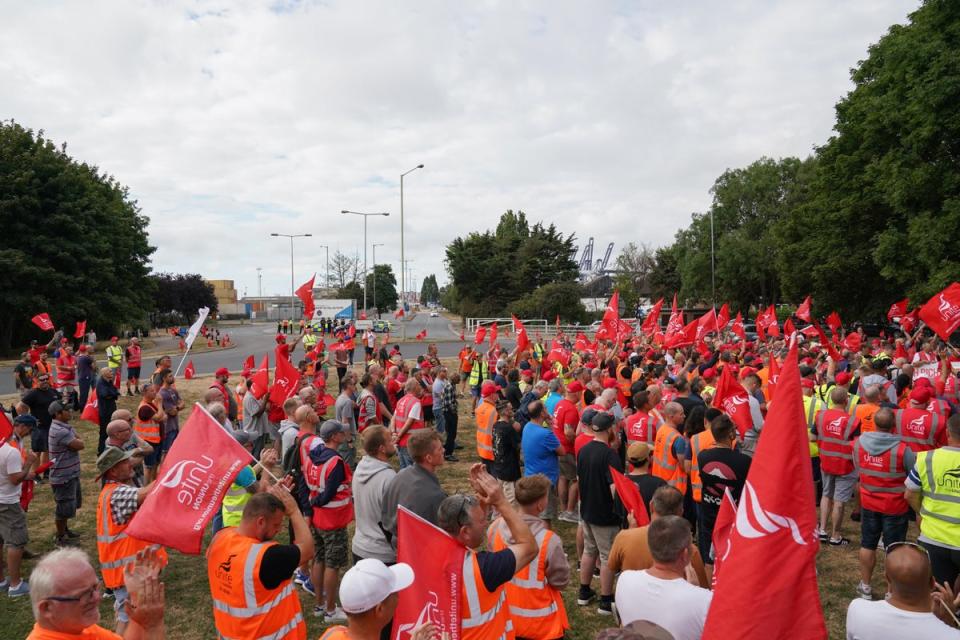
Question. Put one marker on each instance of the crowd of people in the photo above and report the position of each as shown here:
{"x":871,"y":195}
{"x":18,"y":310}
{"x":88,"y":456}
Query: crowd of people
{"x":553,"y":423}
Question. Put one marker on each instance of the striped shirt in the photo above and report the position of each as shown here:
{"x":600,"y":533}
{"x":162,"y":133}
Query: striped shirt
{"x":67,"y":461}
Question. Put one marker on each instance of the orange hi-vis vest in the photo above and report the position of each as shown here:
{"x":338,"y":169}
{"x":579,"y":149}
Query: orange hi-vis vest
{"x":698,"y":443}
{"x":149,"y":430}
{"x":336,"y":633}
{"x":623,"y":385}
{"x":881,"y":479}
{"x":486,"y":417}
{"x":242,"y":606}
{"x":484,"y":615}
{"x":114,"y":547}
{"x":835,"y":429}
{"x":920,"y":429}
{"x":536,"y":607}
{"x":642,"y":427}
{"x":665,"y":464}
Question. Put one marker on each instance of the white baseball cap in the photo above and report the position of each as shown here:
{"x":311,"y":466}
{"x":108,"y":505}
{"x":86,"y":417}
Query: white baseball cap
{"x":370,"y":582}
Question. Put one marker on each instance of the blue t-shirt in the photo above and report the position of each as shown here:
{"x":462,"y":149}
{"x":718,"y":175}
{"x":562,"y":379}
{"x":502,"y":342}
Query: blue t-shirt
{"x":551,"y":402}
{"x":539,"y":445}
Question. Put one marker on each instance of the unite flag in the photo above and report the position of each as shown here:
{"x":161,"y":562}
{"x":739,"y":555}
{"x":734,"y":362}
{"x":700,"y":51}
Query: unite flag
{"x":43,"y":321}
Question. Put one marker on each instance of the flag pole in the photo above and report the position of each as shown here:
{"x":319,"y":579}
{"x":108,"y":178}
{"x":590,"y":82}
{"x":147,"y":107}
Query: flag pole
{"x":185,"y":353}
{"x":230,"y":433}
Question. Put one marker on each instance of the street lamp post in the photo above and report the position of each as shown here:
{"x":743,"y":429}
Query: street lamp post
{"x":326,"y":283}
{"x":365,"y":216}
{"x":375,"y":307}
{"x":293,"y":295}
{"x":403,"y":279}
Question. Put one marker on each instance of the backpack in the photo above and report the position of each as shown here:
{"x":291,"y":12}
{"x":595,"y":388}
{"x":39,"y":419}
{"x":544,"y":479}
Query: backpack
{"x":293,"y":467}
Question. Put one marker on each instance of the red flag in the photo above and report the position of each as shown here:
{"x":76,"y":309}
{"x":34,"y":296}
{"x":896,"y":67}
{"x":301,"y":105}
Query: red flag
{"x":398,"y":313}
{"x":43,"y":321}
{"x":898,"y":309}
{"x":773,"y":328}
{"x":421,"y":335}
{"x":737,"y":326}
{"x":430,"y":598}
{"x":803,"y":311}
{"x":522,"y":340}
{"x":909,"y":322}
{"x":6,"y":427}
{"x":629,"y":495}
{"x":652,"y":322}
{"x":558,"y":323}
{"x":774,"y":528}
{"x":336,"y":346}
{"x":675,"y":323}
{"x":493,"y":334}
{"x":852,"y":341}
{"x":480,"y":335}
{"x":723,"y":317}
{"x":581,"y":343}
{"x":559,"y":354}
{"x":831,"y":350}
{"x":91,"y":411}
{"x":733,"y":400}
{"x":810,"y":331}
{"x":761,"y":337}
{"x":462,"y":338}
{"x":260,"y":381}
{"x":305,"y":293}
{"x":722,"y":529}
{"x":192,"y":481}
{"x":81,"y":329}
{"x":833,"y":321}
{"x":189,"y":372}
{"x":685,"y":337}
{"x":942,"y":312}
{"x":774,"y":376}
{"x":248,"y":363}
{"x":611,"y":315}
{"x":285,"y":379}
{"x":706,"y":324}
{"x":351,"y":330}
{"x":788,"y":328}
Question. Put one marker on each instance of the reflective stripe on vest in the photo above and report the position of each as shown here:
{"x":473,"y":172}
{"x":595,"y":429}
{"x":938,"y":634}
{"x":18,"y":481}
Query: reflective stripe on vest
{"x":149,"y":430}
{"x":941,"y":511}
{"x":324,"y":472}
{"x":115,"y":549}
{"x":279,"y":634}
{"x":930,"y":441}
{"x":114,"y":356}
{"x":486,"y":416}
{"x":475,"y":616}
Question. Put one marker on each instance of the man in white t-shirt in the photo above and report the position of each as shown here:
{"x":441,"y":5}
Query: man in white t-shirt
{"x":15,"y":467}
{"x":911,"y":611}
{"x":665,"y":593}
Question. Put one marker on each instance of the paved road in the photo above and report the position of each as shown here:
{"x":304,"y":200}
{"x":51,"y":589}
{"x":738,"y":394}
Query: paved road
{"x":258,"y":339}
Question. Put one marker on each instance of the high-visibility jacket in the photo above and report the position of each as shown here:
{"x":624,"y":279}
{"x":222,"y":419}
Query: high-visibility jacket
{"x":67,"y":369}
{"x":921,"y":430}
{"x":665,"y":464}
{"x":940,"y":507}
{"x":812,"y":405}
{"x":134,"y":356}
{"x":310,"y":340}
{"x":642,"y":427}
{"x":234,"y":501}
{"x":479,"y":372}
{"x":336,"y":633}
{"x":536,"y":607}
{"x":242,"y":606}
{"x":114,"y":356}
{"x":484,"y":615}
{"x":400,"y":414}
{"x":865,"y":413}
{"x":364,"y":418}
{"x":337,"y":513}
{"x":623,"y":384}
{"x":823,"y":391}
{"x":114,"y":547}
{"x":699,"y":443}
{"x":881,"y":479}
{"x":835,"y":429}
{"x":486,"y":418}
{"x":149,"y":430}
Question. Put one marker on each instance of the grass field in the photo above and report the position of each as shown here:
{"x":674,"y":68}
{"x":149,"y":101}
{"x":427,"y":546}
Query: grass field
{"x":189,"y":614}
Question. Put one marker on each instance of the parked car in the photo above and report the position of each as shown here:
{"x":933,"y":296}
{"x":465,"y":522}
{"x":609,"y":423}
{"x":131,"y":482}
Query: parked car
{"x":434,"y":314}
{"x":382,"y":326}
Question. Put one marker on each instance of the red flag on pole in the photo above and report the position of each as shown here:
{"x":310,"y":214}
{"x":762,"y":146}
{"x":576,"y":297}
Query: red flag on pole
{"x":192,"y":481}
{"x":422,"y":335}
{"x":833,"y":321}
{"x":629,"y":495}
{"x":581,"y":343}
{"x":737,"y":326}
{"x":942,"y":312}
{"x":522,"y":340}
{"x":559,"y":354}
{"x":480,"y":335}
{"x":91,"y":410}
{"x":462,"y":337}
{"x":773,"y":328}
{"x":260,"y":381}
{"x":6,"y":427}
{"x":803,"y":311}
{"x":852,"y":341}
{"x":898,"y":309}
{"x":81,"y":329}
{"x":685,"y":337}
{"x":831,"y":350}
{"x":909,"y":321}
{"x":706,"y":324}
{"x":774,"y":527}
{"x":788,"y":328}
{"x":248,"y":362}
{"x":733,"y":400}
{"x":723,"y":317}
{"x":675,"y":323}
{"x":305,"y":293}
{"x":189,"y":371}
{"x":435,"y":595}
{"x":493,"y":334}
{"x":285,"y":379}
{"x":774,"y":376}
{"x":721,"y":533}
{"x":611,"y":315}
{"x":761,"y":336}
{"x":398,"y":313}
{"x":652,"y":322}
{"x":43,"y":321}
{"x":558,"y":323}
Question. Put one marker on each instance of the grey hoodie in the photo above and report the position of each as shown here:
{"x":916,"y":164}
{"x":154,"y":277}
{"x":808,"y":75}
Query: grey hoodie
{"x":288,"y":435}
{"x":370,"y":482}
{"x":877,"y":443}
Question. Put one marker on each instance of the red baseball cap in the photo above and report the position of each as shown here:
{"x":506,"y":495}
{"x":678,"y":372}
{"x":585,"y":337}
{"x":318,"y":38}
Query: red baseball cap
{"x":609,"y":383}
{"x":710,"y":373}
{"x":843,"y":378}
{"x":488,"y":388}
{"x":549,"y":375}
{"x":807,"y":383}
{"x":574,"y":387}
{"x":920,"y":395}
{"x":222,"y":371}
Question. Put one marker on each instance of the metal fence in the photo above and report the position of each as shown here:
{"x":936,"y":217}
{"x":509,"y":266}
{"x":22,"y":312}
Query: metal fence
{"x":532,"y":325}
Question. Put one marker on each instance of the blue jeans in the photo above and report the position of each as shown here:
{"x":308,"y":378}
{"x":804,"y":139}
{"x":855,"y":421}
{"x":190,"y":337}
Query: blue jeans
{"x":438,"y":416}
{"x":873,"y":524}
{"x":405,"y":459}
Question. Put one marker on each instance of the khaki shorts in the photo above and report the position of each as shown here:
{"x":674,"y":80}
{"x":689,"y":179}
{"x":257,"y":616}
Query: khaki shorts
{"x":568,"y":467}
{"x":13,"y":526}
{"x":550,"y":512}
{"x":598,"y":538}
{"x":509,"y":490}
{"x":330,"y":547}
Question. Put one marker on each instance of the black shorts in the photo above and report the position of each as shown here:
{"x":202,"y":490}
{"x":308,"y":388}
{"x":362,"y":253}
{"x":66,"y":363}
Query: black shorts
{"x":133,"y":373}
{"x":39,"y":437}
{"x":68,"y":498}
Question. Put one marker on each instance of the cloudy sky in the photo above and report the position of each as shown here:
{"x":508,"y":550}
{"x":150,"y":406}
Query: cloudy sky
{"x":230,"y":120}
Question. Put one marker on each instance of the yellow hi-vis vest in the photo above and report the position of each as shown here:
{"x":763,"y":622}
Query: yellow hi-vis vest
{"x":234,"y":501}
{"x":939,"y":471}
{"x":114,"y":357}
{"x":811,"y":406}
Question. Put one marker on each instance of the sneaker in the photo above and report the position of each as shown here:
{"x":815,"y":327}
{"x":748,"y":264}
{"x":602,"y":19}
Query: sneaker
{"x":458,"y":446}
{"x":318,"y":611}
{"x":4,"y":584}
{"x":596,"y":572}
{"x":307,"y":586}
{"x":585,"y":596}
{"x":21,"y":589}
{"x":569,"y":516}
{"x":839,"y":542}
{"x":337,"y":615}
{"x":300,"y":576}
{"x":605,"y":608}
{"x":73,"y":535}
{"x":107,"y":593}
{"x":451,"y":458}
{"x":865,"y":591}
{"x":821,"y":535}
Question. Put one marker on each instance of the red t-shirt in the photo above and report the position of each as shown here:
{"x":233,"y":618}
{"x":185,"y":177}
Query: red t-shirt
{"x":393,"y":388}
{"x":66,"y":368}
{"x":580,"y":442}
{"x":565,"y":414}
{"x":35,"y":354}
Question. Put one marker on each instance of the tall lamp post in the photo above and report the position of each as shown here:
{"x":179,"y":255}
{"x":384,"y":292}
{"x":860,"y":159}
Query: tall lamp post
{"x":293,"y":295}
{"x":326,"y":283}
{"x":375,"y":307}
{"x":403,"y":280}
{"x":365,"y":216}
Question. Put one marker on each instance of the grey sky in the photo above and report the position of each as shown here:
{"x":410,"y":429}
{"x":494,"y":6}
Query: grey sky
{"x":230,"y":120}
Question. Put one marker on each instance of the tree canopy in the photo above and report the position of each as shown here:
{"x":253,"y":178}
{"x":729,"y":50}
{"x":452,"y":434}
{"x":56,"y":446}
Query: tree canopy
{"x":385,"y":289}
{"x":178,"y":296}
{"x":429,"y":291}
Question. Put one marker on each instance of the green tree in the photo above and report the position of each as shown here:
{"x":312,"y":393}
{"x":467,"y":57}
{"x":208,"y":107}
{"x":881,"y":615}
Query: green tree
{"x":664,"y":278}
{"x":552,"y":300}
{"x":385,"y":289}
{"x":74,"y":242}
{"x":178,"y":296}
{"x":429,"y":291}
{"x":351,"y":291}
{"x":634,"y":266}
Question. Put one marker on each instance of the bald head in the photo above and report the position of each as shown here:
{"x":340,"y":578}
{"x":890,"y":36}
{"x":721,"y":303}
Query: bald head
{"x":115,"y":428}
{"x":872,"y":393}
{"x":212,"y":396}
{"x":838,"y":397}
{"x":908,"y":572}
{"x":672,"y":409}
{"x":122,"y":414}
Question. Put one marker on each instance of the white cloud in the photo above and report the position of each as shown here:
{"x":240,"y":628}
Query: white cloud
{"x":231,"y":120}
